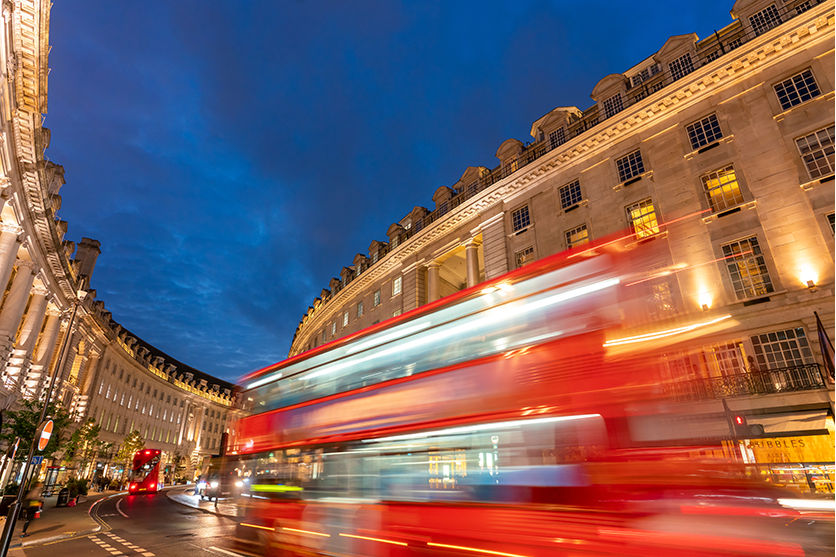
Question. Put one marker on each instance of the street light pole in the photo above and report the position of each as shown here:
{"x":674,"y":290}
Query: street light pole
{"x":14,"y":510}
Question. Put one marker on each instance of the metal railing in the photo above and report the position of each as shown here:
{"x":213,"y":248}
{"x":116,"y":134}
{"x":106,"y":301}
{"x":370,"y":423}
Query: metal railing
{"x":787,"y":379}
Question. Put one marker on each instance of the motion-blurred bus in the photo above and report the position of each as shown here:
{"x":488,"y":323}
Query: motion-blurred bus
{"x":526,"y":416}
{"x":145,"y":472}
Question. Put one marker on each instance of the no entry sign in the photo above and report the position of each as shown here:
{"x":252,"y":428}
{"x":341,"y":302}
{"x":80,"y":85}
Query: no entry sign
{"x":44,"y":433}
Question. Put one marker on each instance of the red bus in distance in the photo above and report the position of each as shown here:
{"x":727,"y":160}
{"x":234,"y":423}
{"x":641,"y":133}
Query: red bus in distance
{"x":145,"y":472}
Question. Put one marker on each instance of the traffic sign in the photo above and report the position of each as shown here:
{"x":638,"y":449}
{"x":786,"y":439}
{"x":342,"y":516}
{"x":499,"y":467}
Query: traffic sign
{"x":37,"y":459}
{"x":44,"y":433}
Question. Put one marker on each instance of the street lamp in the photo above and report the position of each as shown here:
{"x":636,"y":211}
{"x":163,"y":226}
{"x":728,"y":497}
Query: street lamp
{"x":14,"y":509}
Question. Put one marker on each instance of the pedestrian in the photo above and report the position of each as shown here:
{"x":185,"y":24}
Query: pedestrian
{"x":32,"y":505}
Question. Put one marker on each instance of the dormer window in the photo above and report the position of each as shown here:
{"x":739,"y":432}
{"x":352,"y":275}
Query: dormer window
{"x":613,"y":105}
{"x":374,"y":257}
{"x":766,"y":19}
{"x":681,"y":67}
{"x":557,"y":138}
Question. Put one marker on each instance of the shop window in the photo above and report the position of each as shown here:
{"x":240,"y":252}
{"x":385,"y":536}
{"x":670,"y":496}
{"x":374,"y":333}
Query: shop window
{"x":704,"y":132}
{"x":817,"y":152}
{"x":630,"y":166}
{"x":797,"y":89}
{"x":642,"y":219}
{"x":577,"y":236}
{"x":722,"y":189}
{"x":747,"y":269}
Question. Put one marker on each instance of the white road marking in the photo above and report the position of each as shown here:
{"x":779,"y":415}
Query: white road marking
{"x":224,"y":551}
{"x":119,"y":509}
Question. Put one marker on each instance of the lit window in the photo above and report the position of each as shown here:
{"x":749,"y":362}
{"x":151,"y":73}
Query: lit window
{"x":681,"y":67}
{"x":661,"y":301}
{"x":747,"y":269}
{"x":704,"y":132}
{"x":817,"y":152}
{"x":520,"y":219}
{"x":345,"y":319}
{"x":333,"y":328}
{"x":722,"y":189}
{"x":630,"y":166}
{"x":396,"y":286}
{"x":578,"y":236}
{"x":524,"y":257}
{"x":613,"y":105}
{"x":797,"y":89}
{"x":376,"y":301}
{"x":359,"y":309}
{"x":557,"y":138}
{"x":396,"y":313}
{"x":765,"y":20}
{"x":642,"y":218}
{"x":374,"y":258}
{"x":570,"y":194}
{"x":394,"y":241}
{"x":781,"y":349}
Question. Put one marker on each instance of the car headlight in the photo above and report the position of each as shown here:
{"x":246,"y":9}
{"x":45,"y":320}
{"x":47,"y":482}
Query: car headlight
{"x":213,"y":485}
{"x":239,"y":484}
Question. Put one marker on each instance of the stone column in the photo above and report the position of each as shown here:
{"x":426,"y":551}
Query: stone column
{"x":21,"y":357}
{"x":433,"y":293}
{"x":471,"y":251}
{"x":43,"y":354}
{"x":86,"y":383}
{"x":15,"y":304}
{"x":9,"y":246}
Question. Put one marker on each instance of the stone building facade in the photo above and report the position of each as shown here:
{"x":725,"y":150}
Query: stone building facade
{"x":50,"y":319}
{"x":731,"y":137}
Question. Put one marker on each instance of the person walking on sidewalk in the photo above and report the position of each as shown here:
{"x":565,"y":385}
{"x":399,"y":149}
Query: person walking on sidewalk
{"x":32,"y":505}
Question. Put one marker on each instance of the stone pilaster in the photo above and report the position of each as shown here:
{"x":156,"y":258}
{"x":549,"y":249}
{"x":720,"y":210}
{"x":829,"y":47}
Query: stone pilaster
{"x":20,"y":360}
{"x":496,"y":256}
{"x":9,"y":246}
{"x":414,"y":286}
{"x":13,"y":309}
{"x":34,"y":381}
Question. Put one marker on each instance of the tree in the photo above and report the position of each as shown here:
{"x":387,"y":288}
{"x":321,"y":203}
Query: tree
{"x":85,"y":445}
{"x":131,"y":444}
{"x":24,"y":423}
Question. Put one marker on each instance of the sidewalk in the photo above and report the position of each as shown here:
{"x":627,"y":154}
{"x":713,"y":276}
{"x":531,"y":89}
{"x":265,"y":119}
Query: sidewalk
{"x":225,"y":507}
{"x":58,"y":523}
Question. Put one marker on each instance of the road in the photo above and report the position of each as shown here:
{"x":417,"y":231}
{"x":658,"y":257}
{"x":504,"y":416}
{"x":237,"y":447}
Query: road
{"x":148,"y":526}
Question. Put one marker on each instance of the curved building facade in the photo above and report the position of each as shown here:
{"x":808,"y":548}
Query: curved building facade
{"x":50,"y":319}
{"x":730,"y":136}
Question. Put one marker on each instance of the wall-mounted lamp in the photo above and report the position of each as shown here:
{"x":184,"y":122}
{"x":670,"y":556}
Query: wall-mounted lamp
{"x":705,"y":307}
{"x":811,"y":286}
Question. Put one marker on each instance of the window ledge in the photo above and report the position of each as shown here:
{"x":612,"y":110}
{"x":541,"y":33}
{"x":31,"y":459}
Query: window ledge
{"x":746,"y":301}
{"x":633,"y":180}
{"x":730,"y":210}
{"x":704,"y":148}
{"x":813,"y":183}
{"x":521,"y":231}
{"x":782,"y":115}
{"x":578,"y":205}
{"x":660,"y":235}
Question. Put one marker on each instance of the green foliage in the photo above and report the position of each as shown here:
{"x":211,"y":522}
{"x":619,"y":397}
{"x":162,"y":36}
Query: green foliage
{"x":23,"y":423}
{"x":77,"y":487}
{"x":11,"y":488}
{"x":132,"y":443}
{"x":84,"y":444}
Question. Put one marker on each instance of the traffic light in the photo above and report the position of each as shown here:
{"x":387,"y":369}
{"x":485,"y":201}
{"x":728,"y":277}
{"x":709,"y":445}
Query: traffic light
{"x":744,"y":429}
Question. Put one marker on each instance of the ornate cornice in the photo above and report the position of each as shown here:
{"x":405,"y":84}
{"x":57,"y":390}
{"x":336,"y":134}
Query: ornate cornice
{"x":811,"y":27}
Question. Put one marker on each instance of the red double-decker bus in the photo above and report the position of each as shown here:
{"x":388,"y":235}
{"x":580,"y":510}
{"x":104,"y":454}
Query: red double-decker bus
{"x":145,"y":472}
{"x":526,"y":416}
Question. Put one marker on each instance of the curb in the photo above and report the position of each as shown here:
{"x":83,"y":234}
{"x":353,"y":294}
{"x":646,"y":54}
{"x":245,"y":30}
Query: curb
{"x":102,"y":526}
{"x":207,"y":511}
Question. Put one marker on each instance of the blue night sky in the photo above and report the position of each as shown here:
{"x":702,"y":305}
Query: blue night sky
{"x":232,"y":157}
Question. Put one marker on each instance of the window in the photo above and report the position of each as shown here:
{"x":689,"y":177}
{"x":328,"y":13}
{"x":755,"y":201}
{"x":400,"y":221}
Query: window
{"x":121,"y":374}
{"x":333,"y":328}
{"x":797,"y":89}
{"x":570,"y":194}
{"x":557,"y":138}
{"x":396,"y":313}
{"x":817,"y":152}
{"x":747,"y":268}
{"x":359,"y":309}
{"x":520,"y":219}
{"x":155,"y":393}
{"x":397,"y":283}
{"x":524,"y":257}
{"x":115,"y":394}
{"x":831,"y":223}
{"x":660,"y":301}
{"x":630,"y":166}
{"x":376,"y":295}
{"x":345,"y":319}
{"x":101,"y":387}
{"x":734,"y":44}
{"x":613,"y":105}
{"x":578,"y":236}
{"x":642,"y":218}
{"x":803,"y":7}
{"x":374,"y":258}
{"x":765,"y":20}
{"x":128,"y":380}
{"x":713,"y":55}
{"x":324,"y":334}
{"x":722,"y":189}
{"x":134,"y":385}
{"x":682,"y":66}
{"x":782,"y":349}
{"x":704,"y":132}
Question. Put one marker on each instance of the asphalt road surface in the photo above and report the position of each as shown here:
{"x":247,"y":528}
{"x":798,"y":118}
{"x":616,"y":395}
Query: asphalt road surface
{"x":147,"y":526}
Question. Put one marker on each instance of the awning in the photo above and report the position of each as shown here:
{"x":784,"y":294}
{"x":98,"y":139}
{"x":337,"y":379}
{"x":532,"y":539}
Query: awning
{"x":812,"y":422}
